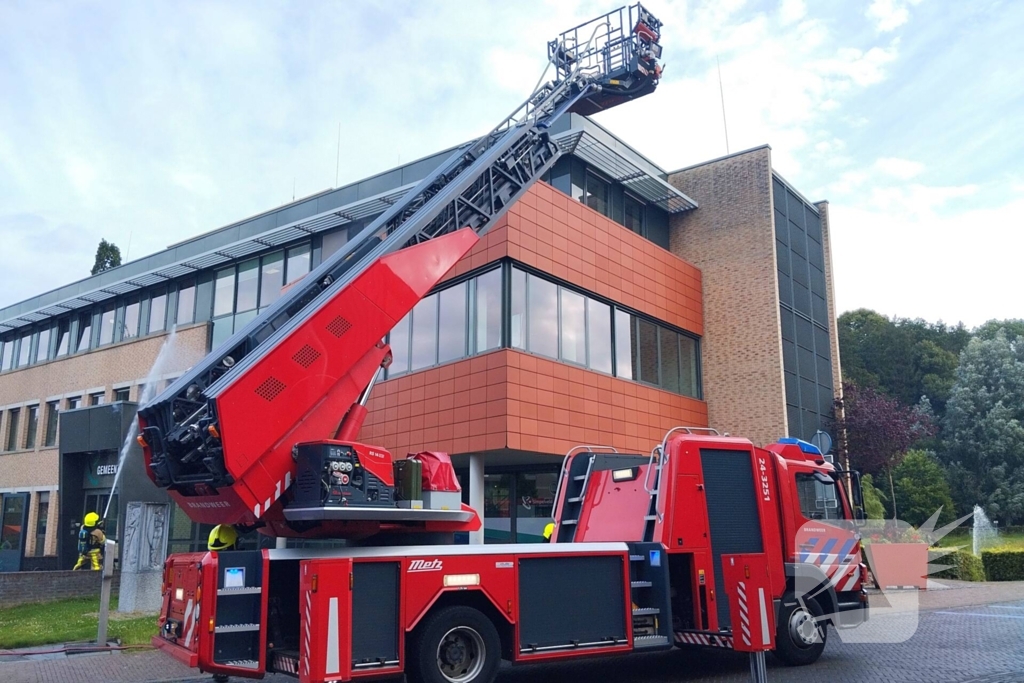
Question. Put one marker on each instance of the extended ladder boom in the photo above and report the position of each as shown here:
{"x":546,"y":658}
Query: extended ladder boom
{"x":217,"y":448}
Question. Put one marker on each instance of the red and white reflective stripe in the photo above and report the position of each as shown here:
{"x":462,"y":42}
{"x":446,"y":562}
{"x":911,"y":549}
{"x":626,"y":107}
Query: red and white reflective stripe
{"x":280,"y":487}
{"x":191,"y":616}
{"x":306,"y":654}
{"x":851,"y":582}
{"x":741,"y":590}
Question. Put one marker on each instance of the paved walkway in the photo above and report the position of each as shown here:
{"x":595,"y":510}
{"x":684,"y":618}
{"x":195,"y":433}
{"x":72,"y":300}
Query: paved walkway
{"x":970,"y":632}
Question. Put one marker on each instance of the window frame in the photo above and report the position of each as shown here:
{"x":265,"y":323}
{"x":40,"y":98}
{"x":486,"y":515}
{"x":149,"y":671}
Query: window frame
{"x":50,"y":433}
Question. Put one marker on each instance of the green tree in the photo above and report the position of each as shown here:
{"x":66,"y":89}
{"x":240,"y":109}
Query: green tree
{"x":904,"y":358}
{"x":873,"y":497}
{"x":922,"y":488}
{"x":108,"y":256}
{"x":984,"y":427}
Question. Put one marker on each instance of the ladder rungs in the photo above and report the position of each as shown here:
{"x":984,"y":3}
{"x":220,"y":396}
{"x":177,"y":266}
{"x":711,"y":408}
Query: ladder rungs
{"x":569,"y":522}
{"x":650,"y":518}
{"x":637,"y":558}
{"x":640,"y":584}
{"x":574,"y":500}
{"x":643,"y":611}
{"x":579,"y":477}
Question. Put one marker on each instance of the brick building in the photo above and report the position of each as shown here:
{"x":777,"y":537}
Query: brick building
{"x":614,"y":301}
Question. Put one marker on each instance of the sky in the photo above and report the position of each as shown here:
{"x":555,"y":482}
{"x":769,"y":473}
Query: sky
{"x":149,"y":123}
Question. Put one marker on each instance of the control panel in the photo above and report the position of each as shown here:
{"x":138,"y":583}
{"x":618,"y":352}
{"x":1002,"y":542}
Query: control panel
{"x":334,"y":473}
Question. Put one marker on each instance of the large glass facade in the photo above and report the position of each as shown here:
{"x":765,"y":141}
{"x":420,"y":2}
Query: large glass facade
{"x":43,"y":345}
{"x":548,"y":319}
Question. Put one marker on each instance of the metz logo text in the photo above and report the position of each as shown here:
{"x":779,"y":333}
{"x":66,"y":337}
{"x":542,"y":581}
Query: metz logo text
{"x":426,"y":566}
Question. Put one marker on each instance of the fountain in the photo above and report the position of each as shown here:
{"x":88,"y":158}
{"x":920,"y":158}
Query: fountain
{"x":984,"y":533}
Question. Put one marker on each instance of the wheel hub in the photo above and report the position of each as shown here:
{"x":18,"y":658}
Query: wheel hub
{"x":461,"y":655}
{"x":802,"y":629}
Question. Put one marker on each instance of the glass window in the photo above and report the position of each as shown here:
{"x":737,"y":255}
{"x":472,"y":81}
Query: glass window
{"x":32,"y":426}
{"x":224,"y":293}
{"x":488,"y":311}
{"x":122,"y":394}
{"x":63,"y":337}
{"x":633,"y":214}
{"x":130,"y":328}
{"x":542,"y":312}
{"x":24,"y":351}
{"x":98,"y":398}
{"x":599,"y":335}
{"x":84,"y":338}
{"x":687,"y":366}
{"x":451,"y":329}
{"x":42,"y":516}
{"x":157,"y":313}
{"x":573,"y":327}
{"x":399,"y":341}
{"x":818,"y":499}
{"x":52,"y":410}
{"x":597,"y":194}
{"x":668,"y":343}
{"x":497,"y":508}
{"x":298,"y":263}
{"x":43,"y":347}
{"x":6,"y":355}
{"x":518,"y":314}
{"x":424,"y":333}
{"x":624,"y":335}
{"x":271,"y":278}
{"x":74,"y":402}
{"x":333,"y":241}
{"x":107,"y":327}
{"x":647,"y":348}
{"x":223,"y":328}
{"x":186,"y":303}
{"x":13,"y":417}
{"x":535,"y":497}
{"x":248,"y":285}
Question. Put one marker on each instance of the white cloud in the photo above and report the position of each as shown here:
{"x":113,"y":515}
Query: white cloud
{"x":792,"y":11}
{"x":937,"y":265}
{"x":889,"y":15}
{"x":903,"y":169}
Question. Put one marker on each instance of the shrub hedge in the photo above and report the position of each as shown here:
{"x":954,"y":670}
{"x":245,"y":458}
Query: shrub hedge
{"x":1003,"y":565}
{"x":963,"y":565}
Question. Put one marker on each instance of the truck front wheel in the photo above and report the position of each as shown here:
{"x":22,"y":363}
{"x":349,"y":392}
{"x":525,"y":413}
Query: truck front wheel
{"x":800,"y":634}
{"x":454,"y":645}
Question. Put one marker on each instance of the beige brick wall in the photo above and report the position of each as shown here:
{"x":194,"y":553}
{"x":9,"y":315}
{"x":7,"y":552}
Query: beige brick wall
{"x":100,"y":369}
{"x":731,"y":238}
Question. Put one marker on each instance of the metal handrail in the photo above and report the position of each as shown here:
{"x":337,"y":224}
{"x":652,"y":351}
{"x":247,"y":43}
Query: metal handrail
{"x":562,"y":472}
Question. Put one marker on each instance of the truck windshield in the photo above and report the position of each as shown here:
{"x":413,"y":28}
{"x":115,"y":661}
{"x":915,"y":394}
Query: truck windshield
{"x":818,"y":500}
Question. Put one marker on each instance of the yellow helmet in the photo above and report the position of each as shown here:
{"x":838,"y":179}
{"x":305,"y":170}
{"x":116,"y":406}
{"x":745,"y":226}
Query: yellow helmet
{"x":222,"y":537}
{"x":91,"y":519}
{"x":548,"y":530}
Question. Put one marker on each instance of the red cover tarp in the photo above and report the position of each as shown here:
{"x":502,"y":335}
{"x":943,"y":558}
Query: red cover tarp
{"x":438,"y":473}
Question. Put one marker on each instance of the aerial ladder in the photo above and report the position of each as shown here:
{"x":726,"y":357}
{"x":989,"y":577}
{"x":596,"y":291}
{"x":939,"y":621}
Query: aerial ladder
{"x":223,"y":438}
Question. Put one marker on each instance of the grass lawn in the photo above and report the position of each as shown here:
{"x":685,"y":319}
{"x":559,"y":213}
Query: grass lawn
{"x":69,"y":620}
{"x":962,"y":537}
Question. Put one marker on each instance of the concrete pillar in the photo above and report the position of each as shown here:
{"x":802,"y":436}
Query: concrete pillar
{"x":476,"y":493}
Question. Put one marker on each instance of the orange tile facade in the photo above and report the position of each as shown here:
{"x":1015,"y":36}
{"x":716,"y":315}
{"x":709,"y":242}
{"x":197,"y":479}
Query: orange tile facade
{"x":509,"y":399}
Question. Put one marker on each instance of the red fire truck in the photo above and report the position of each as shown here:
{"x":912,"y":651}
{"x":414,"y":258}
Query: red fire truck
{"x":650,"y":551}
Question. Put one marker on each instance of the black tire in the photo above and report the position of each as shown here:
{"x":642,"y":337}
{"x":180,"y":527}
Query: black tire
{"x":799,"y":635}
{"x":221,"y":678}
{"x":454,"y":645}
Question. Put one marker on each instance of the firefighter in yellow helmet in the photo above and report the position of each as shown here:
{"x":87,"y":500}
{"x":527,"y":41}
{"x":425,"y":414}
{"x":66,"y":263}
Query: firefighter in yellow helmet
{"x":91,"y":540}
{"x":548,"y":531}
{"x":222,"y":537}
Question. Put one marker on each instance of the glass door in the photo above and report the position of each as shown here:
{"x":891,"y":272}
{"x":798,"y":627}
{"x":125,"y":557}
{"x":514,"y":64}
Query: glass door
{"x":13,"y":520}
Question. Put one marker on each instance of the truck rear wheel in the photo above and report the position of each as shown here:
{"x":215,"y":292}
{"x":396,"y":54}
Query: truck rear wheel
{"x":454,"y":645}
{"x":799,"y":635}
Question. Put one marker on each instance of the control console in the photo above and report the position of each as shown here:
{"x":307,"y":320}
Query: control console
{"x":339,"y":473}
